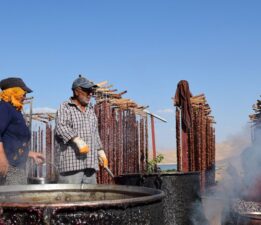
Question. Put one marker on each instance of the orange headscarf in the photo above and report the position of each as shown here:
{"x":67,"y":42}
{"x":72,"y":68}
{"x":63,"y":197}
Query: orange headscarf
{"x":13,"y":95}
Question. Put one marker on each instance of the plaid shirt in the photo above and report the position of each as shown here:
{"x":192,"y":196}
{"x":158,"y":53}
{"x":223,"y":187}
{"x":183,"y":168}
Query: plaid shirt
{"x":72,"y":122}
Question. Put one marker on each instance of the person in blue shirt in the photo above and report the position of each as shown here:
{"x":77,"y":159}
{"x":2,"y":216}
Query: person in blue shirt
{"x":14,"y":133}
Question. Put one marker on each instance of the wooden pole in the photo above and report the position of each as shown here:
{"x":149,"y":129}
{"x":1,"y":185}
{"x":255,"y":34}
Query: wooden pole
{"x":153,"y":137}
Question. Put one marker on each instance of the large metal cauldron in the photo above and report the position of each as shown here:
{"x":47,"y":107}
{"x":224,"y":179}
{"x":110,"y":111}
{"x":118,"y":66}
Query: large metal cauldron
{"x":181,"y":190}
{"x":70,"y":204}
{"x":249,"y":218}
{"x":246,"y":212}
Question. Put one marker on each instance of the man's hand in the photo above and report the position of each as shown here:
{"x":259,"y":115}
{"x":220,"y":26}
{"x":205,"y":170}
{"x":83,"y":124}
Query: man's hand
{"x":3,"y":161}
{"x":81,"y":145}
{"x":37,"y":157}
{"x":102,"y":158}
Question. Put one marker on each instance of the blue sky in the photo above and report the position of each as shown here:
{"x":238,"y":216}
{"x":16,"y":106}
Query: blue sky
{"x":143,"y":46}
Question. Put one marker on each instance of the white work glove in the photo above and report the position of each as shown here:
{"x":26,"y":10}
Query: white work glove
{"x":102,"y":158}
{"x":81,"y":145}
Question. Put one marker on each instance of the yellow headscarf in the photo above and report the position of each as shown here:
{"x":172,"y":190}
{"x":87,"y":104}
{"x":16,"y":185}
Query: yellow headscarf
{"x":14,"y":96}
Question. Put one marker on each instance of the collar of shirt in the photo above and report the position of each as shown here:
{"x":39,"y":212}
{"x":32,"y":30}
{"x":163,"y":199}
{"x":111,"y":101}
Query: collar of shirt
{"x":88,"y":106}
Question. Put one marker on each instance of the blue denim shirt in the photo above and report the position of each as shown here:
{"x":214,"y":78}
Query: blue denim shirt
{"x":14,"y":134}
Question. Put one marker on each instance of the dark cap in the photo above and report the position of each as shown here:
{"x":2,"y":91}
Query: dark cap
{"x":14,"y":82}
{"x":83,"y":83}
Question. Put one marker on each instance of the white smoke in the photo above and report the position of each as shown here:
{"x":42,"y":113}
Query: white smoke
{"x":241,"y":169}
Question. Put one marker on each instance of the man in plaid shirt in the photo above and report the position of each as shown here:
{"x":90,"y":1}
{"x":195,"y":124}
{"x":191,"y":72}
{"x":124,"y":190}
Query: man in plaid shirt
{"x":77,"y":137}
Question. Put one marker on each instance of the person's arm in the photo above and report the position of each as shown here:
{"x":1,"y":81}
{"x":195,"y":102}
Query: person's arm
{"x":66,"y":133}
{"x":62,"y":125}
{"x":3,"y":161}
{"x":5,"y":119}
{"x":37,"y":157}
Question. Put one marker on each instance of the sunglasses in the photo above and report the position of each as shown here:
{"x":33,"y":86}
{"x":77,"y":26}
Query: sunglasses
{"x":87,"y":90}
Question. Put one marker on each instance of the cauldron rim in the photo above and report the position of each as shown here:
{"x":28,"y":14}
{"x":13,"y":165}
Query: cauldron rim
{"x":151,"y":195}
{"x":251,"y":215}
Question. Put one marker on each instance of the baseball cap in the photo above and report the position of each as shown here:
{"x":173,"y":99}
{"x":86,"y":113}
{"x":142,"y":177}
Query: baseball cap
{"x":83,"y":83}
